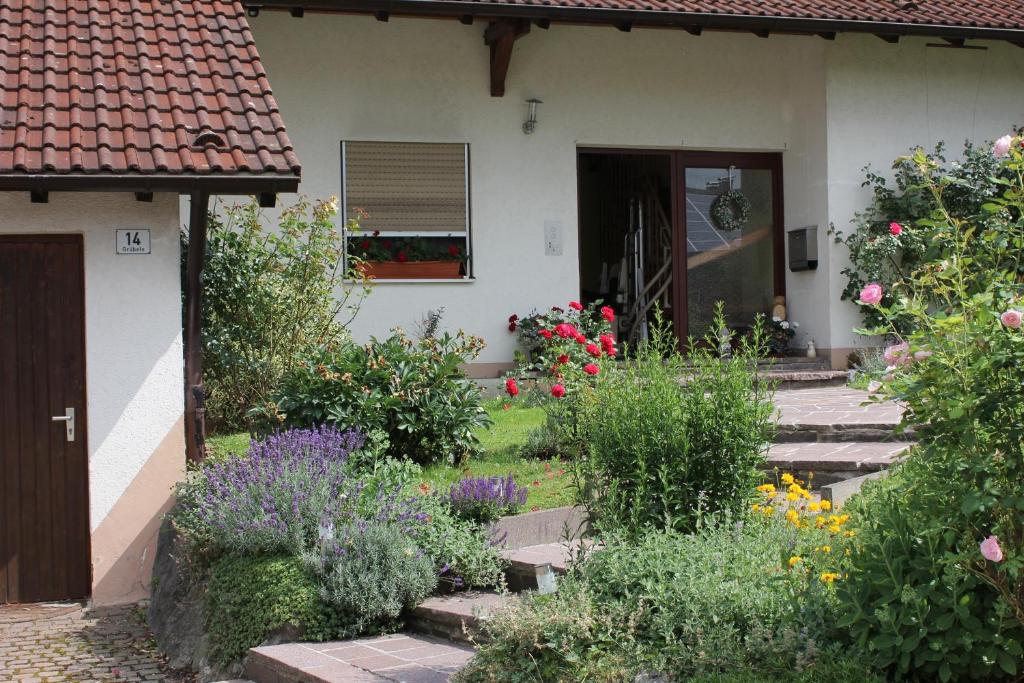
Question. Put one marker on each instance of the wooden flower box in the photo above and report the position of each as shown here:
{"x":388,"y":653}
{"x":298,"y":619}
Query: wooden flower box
{"x":413,"y":270}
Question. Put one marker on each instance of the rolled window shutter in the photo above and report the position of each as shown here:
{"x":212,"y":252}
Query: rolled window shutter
{"x":407,"y":186}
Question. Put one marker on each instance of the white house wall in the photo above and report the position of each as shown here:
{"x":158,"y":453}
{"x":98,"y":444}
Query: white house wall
{"x":134,"y":374}
{"x":350,"y":77}
{"x":884,"y":99}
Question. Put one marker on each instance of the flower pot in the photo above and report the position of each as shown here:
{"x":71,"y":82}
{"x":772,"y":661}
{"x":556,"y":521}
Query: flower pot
{"x":413,"y":270}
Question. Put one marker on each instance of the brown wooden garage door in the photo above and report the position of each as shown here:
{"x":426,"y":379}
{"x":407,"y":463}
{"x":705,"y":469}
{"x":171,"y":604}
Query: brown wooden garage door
{"x":44,"y":513}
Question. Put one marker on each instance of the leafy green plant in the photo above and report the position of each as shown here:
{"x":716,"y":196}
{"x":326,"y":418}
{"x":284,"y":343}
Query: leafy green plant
{"x":667,"y":437}
{"x":720,"y":602}
{"x":269,"y":298}
{"x":465,"y":554}
{"x":950,"y":547}
{"x":251,"y":598}
{"x":884,"y":254}
{"x":415,"y":391}
{"x":369,"y":573}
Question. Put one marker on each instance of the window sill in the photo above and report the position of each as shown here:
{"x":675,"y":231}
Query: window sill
{"x":418,"y":281}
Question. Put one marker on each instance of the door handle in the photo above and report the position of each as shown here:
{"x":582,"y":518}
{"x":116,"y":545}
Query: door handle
{"x":68,"y":418}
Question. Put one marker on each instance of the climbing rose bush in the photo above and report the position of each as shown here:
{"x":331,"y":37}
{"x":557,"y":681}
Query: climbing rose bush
{"x":936,"y":588}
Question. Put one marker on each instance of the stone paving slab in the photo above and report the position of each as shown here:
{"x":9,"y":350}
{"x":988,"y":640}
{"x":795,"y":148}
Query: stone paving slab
{"x":832,"y":406}
{"x":825,"y":457}
{"x":399,"y":658}
{"x":67,"y":643}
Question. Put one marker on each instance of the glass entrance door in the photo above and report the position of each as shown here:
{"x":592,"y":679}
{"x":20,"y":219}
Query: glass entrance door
{"x":730,"y":213}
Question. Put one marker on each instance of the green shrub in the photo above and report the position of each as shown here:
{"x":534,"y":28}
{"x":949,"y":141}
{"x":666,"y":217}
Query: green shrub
{"x":911,"y":603}
{"x":667,"y":437}
{"x":465,"y":555}
{"x":414,"y":391}
{"x":370,"y":572}
{"x":251,"y":598}
{"x":877,"y":255}
{"x":719,"y":603}
{"x":925,"y":597}
{"x":269,"y":297}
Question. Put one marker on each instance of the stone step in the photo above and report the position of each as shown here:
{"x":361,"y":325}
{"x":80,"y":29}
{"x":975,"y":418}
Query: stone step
{"x":383,"y":659}
{"x":788,"y":379}
{"x":832,"y":462}
{"x":537,"y":567}
{"x":456,"y":616}
{"x":836,"y":414}
{"x":843,"y":432}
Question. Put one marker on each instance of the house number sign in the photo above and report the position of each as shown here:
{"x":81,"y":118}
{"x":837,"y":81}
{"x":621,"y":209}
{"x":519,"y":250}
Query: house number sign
{"x":132,"y":242}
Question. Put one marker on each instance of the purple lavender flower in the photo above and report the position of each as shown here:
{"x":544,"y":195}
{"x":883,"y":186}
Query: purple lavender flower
{"x":275,"y":496}
{"x":485,"y":499}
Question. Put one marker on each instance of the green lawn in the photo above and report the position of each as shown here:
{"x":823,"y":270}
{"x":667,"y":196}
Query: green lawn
{"x":549,"y":483}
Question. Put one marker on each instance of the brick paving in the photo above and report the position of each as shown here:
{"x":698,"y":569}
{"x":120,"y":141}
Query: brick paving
{"x":399,"y":657}
{"x":69,"y":644}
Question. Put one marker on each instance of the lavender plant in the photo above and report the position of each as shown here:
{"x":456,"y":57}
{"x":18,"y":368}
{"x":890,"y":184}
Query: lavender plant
{"x":485,"y":499}
{"x":274,"y":497}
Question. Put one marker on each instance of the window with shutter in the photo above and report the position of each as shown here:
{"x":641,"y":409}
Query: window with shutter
{"x":411,"y":200}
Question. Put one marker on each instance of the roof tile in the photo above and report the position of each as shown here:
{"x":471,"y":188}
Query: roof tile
{"x":990,"y":14}
{"x":126,"y":86}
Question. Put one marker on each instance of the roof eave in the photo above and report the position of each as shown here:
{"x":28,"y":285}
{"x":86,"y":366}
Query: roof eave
{"x":712,"y":21}
{"x":180,"y":184}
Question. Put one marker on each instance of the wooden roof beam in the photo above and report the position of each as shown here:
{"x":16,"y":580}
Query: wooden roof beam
{"x":500,"y":35}
{"x":889,"y":37}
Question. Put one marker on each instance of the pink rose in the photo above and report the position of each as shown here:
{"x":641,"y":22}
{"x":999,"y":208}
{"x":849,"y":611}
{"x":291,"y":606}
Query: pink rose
{"x":990,"y":549}
{"x":558,"y":391}
{"x":576,"y":305}
{"x":895,"y":229}
{"x":897,"y":354}
{"x":1002,"y":146}
{"x":591,"y":369}
{"x":871,"y":294}
{"x":1011,"y":318}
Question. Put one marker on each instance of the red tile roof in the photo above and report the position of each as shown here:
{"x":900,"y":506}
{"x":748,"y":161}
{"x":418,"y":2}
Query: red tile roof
{"x":125,"y":87}
{"x":1006,"y":15}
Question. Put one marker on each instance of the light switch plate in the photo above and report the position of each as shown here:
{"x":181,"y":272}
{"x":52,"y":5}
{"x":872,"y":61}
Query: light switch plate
{"x":552,"y":238}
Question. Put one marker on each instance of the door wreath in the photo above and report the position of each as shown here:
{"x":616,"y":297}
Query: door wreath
{"x":730,"y":210}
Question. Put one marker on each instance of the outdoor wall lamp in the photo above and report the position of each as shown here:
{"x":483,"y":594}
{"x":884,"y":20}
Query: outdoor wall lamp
{"x":531,"y":116}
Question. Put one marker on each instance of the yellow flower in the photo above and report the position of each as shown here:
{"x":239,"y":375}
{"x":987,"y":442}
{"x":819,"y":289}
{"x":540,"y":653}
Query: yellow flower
{"x":768,"y":510}
{"x":767,"y":489}
{"x":792,"y":497}
{"x":826,"y":505}
{"x":819,"y":523}
{"x":826,"y":548}
{"x":755,"y":507}
{"x":792,"y":516}
{"x":834,"y":528}
{"x":787,"y":478}
{"x":828,"y":577}
{"x":794,"y":561}
{"x":814,"y":507}
{"x":850,"y":534}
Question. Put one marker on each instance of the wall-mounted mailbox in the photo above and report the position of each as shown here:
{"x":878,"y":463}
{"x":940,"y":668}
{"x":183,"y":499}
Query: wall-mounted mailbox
{"x":803,"y":248}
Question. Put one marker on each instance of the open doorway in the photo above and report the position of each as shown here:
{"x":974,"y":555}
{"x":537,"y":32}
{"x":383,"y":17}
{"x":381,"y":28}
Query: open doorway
{"x":678,"y":232}
{"x":625,"y":210}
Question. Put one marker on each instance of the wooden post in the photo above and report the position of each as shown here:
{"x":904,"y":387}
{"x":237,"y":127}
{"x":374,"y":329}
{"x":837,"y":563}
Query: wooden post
{"x":195,"y":411}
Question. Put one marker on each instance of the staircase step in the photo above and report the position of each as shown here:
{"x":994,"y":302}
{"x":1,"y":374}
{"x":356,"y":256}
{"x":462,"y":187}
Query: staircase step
{"x":831,"y":462}
{"x":537,"y":567}
{"x":791,"y":379}
{"x":837,"y":414}
{"x":384,"y":659}
{"x":456,"y":616}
